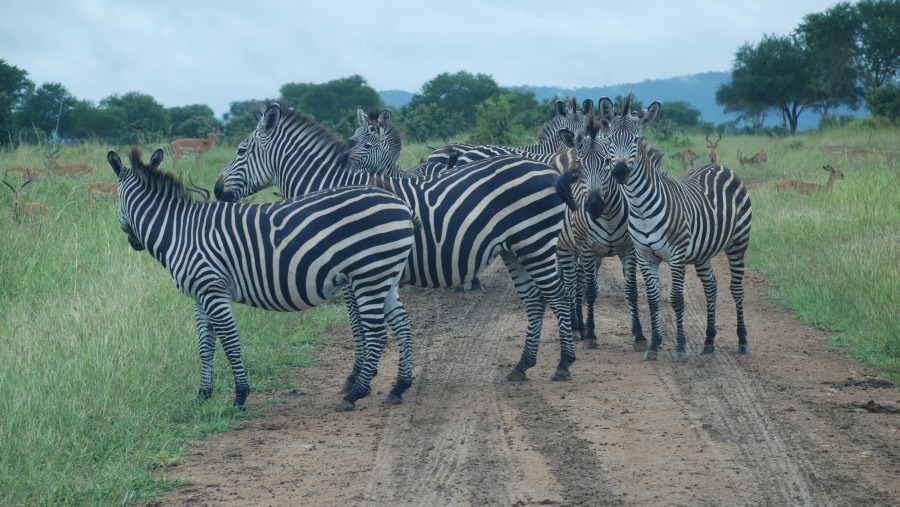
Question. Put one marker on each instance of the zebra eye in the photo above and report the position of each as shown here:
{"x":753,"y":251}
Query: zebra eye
{"x":372,"y":129}
{"x":241,"y":151}
{"x":367,"y":146}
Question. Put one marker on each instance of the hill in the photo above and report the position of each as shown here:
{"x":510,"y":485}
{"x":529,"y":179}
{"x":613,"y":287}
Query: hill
{"x":698,"y":90}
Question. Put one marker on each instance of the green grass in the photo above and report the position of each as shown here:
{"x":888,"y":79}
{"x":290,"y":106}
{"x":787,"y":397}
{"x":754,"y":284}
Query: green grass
{"x":99,"y":349}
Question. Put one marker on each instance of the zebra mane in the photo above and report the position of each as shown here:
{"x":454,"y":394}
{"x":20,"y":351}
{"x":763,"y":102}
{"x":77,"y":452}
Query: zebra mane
{"x":593,"y":125}
{"x":158,"y":181}
{"x":291,"y":117}
{"x":626,"y":109}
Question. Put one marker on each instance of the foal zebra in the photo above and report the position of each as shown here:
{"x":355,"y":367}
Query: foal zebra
{"x":683,"y":221}
{"x":509,"y":207}
{"x":284,"y":256}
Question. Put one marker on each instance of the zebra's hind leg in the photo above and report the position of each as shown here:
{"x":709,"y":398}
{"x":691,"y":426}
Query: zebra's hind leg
{"x":629,"y":272}
{"x":207,"y":346}
{"x":359,"y":338}
{"x":477,"y":285}
{"x":676,"y":296}
{"x":705,"y":272}
{"x":401,"y":325}
{"x":650,"y":272}
{"x":372,"y":320}
{"x":569,"y":269}
{"x":736,"y":266}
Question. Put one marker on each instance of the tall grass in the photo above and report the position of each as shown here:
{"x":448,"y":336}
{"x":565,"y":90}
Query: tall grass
{"x":98,"y":349}
{"x":99,"y":352}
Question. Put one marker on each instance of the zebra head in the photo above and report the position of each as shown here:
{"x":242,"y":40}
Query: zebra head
{"x":625,"y":131}
{"x":568,"y":116}
{"x":592,"y":147}
{"x":376,"y":144}
{"x":252,"y":168}
{"x":130,"y":179}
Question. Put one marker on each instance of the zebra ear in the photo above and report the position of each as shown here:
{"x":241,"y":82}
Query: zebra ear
{"x":156,"y":159}
{"x":385,"y":117}
{"x":649,"y":114}
{"x":115,"y":162}
{"x":607,"y":110}
{"x":561,"y":107}
{"x":361,"y":118}
{"x":587,"y":106}
{"x":269,"y":119}
{"x":567,"y":137}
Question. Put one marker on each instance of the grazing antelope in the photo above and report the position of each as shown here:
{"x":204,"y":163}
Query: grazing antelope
{"x":195,"y":147}
{"x":688,"y":158}
{"x":713,"y":156}
{"x":761,"y":157}
{"x":68,"y":169}
{"x":102,"y":189}
{"x":808,"y":188}
{"x":35,"y":173}
{"x":30,"y":209}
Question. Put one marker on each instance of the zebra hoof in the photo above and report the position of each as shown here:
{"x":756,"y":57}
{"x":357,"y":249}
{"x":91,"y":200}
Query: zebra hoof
{"x":651,"y":355}
{"x":590,"y":343}
{"x":561,"y":375}
{"x":344,"y":406}
{"x":640,"y":345}
{"x":393,"y":399}
{"x":477,"y":285}
{"x":461,"y":288}
{"x":202,"y":396}
{"x":516,"y":376}
{"x":744,"y":349}
{"x":709,"y":348}
{"x":681,"y":357}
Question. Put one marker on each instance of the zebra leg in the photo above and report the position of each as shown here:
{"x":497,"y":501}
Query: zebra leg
{"x":476,"y":284}
{"x":589,"y":267}
{"x":217,"y":307}
{"x":629,"y":272}
{"x":676,"y":296}
{"x":359,"y":338}
{"x":371,"y":303}
{"x":705,"y":272}
{"x":650,"y":270}
{"x":207,"y":345}
{"x":401,"y":325}
{"x":534,"y":308}
{"x":568,"y":269}
{"x":736,"y":266}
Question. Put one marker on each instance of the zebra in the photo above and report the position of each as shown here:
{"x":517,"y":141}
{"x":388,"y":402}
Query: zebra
{"x":285,"y":256}
{"x":679,"y":221}
{"x":600,"y":233}
{"x":509,"y":207}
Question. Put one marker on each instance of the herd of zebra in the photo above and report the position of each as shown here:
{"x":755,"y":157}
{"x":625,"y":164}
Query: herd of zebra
{"x":354,"y":221}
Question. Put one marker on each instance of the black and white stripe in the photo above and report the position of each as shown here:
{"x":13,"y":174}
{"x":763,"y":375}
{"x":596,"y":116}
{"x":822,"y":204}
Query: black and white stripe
{"x":679,"y":221}
{"x":509,"y":207}
{"x":285,"y":256}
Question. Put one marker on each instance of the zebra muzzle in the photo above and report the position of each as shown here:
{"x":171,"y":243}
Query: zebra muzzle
{"x":620,"y":172}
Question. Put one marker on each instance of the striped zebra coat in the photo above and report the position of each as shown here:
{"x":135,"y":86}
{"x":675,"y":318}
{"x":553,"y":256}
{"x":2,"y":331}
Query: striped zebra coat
{"x":285,"y":256}
{"x":509,"y":207}
{"x":680,"y":221}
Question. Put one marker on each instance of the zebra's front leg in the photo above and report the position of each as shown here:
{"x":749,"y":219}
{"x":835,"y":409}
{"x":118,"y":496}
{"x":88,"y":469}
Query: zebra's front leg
{"x":207,"y":346}
{"x":569,"y":268}
{"x":401,"y":325}
{"x":706,"y":275}
{"x":629,"y":272}
{"x":650,"y":272}
{"x":217,"y":306}
{"x":359,"y":338}
{"x":590,"y":266}
{"x":676,"y":266}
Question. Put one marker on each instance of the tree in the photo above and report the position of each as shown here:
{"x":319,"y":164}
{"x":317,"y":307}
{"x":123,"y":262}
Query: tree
{"x":14,"y":88}
{"x":747,"y":105}
{"x":507,"y":118}
{"x":144,"y":116}
{"x":778,"y":73}
{"x":424,"y":122}
{"x":456,"y":95}
{"x":334,"y":103}
{"x":885,"y":101}
{"x":192,"y":121}
{"x":49,"y":109}
{"x":680,"y":113}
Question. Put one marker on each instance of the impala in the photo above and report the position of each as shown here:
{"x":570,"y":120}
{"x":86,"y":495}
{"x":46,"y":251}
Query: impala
{"x":761,"y":157}
{"x":30,"y":209}
{"x":35,"y":173}
{"x":195,"y":147}
{"x":688,"y":158}
{"x":805,"y":188}
{"x":71,"y":169}
{"x":713,"y":156}
{"x":103,"y":189}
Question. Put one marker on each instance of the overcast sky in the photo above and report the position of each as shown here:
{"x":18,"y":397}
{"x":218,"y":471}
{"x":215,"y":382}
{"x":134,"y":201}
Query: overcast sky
{"x":187,"y":52}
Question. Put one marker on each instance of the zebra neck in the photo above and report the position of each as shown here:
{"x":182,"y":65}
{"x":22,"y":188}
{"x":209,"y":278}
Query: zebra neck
{"x":166,"y":226}
{"x":295,"y":183}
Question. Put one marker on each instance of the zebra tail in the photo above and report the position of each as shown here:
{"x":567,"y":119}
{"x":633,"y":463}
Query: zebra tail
{"x":564,"y":187}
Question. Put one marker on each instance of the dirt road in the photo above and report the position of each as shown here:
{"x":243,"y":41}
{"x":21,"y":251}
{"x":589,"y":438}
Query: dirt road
{"x":793,"y":423}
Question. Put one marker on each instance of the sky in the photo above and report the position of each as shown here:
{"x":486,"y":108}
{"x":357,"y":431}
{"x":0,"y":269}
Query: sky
{"x":186,"y":52}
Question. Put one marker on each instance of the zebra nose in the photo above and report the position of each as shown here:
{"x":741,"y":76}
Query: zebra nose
{"x":595,"y":204}
{"x":221,"y":193}
{"x":620,"y":171}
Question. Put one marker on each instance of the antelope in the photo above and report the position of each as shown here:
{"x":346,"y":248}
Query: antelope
{"x":70,"y":169}
{"x":103,"y":189}
{"x":35,"y":173}
{"x":808,"y":188}
{"x":713,"y":156}
{"x":196,"y":147}
{"x":30,"y":209}
{"x":688,"y":157}
{"x":761,"y":157}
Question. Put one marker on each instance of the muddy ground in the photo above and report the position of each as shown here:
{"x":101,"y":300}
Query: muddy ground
{"x":793,"y":423}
